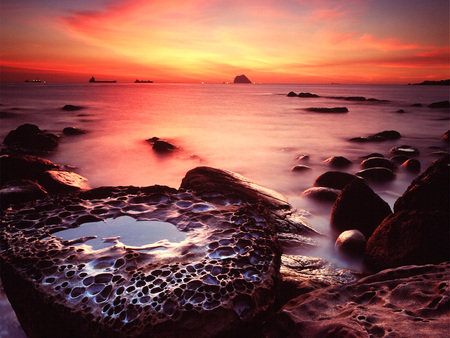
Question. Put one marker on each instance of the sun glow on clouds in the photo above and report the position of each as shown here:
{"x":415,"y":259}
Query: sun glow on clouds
{"x":269,"y":40}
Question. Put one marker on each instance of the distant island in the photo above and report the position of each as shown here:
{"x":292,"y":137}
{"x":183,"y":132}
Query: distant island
{"x":93,"y":80}
{"x":433,"y":83}
{"x":241,"y":79}
{"x":142,"y":81}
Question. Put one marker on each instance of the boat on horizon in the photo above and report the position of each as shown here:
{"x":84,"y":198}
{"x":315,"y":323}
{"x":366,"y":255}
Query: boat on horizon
{"x":143,"y":81}
{"x":93,"y":80}
{"x":34,"y":80}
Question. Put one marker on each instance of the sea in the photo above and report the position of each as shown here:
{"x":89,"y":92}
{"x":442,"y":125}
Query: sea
{"x":255,"y":130}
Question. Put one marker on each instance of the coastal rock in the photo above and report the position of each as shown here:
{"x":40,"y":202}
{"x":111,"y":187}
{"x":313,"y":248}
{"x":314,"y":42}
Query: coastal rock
{"x":376,"y":174}
{"x":29,"y":136}
{"x":400,"y":111}
{"x":61,"y":181}
{"x":291,"y":94}
{"x":410,"y":300}
{"x":220,"y":280}
{"x":429,"y":191}
{"x":307,"y":95}
{"x":445,"y":137}
{"x":160,"y":145}
{"x":322,"y":194}
{"x":338,"y":161}
{"x":412,"y":165}
{"x":410,"y":237}
{"x":359,"y":139}
{"x":358,"y":207}
{"x":372,"y":155}
{"x":300,"y":168}
{"x":73,"y":131}
{"x":441,"y":104}
{"x":404,"y":150}
{"x":302,"y":158}
{"x":241,"y":79}
{"x":20,"y":191}
{"x":71,"y":107}
{"x":399,"y":159}
{"x":13,"y":167}
{"x":351,"y":242}
{"x":373,"y":162}
{"x":334,"y":179}
{"x":389,"y":134}
{"x":328,"y":110}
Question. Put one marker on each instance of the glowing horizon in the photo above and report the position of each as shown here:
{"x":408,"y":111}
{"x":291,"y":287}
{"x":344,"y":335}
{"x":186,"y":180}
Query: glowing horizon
{"x":289,"y":41}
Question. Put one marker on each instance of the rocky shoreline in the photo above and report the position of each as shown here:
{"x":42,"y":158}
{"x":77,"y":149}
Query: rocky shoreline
{"x":234,"y":275}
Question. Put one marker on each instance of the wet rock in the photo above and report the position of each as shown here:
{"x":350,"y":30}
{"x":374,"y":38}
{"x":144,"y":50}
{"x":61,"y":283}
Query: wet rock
{"x":351,"y":242}
{"x":359,"y":139}
{"x":410,"y":237}
{"x":300,"y":168}
{"x":20,"y":191}
{"x":376,"y":174}
{"x":400,"y":111}
{"x":160,"y":145}
{"x":328,"y":110}
{"x":60,"y":181}
{"x":373,"y":162}
{"x":358,"y":207}
{"x":429,"y":191}
{"x":338,"y":161}
{"x":334,"y":179}
{"x":322,"y":194}
{"x":394,"y":302}
{"x":389,"y":134}
{"x":445,"y":137}
{"x":291,"y":94}
{"x":373,"y":155}
{"x":241,"y":79}
{"x":399,"y":159}
{"x":307,"y":95}
{"x":29,"y":136}
{"x":302,"y":158}
{"x":441,"y":104}
{"x":13,"y":167}
{"x":404,"y":150}
{"x":71,"y":107}
{"x":73,"y":131}
{"x":220,"y":280}
{"x":412,"y":165}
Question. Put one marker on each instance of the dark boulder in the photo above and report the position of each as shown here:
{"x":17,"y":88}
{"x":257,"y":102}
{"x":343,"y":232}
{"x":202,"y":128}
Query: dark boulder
{"x":373,"y":162}
{"x":410,"y":237}
{"x":389,"y":134}
{"x":412,"y":165}
{"x":418,"y":105}
{"x":300,"y":168}
{"x":20,"y":191}
{"x":334,"y":179}
{"x":241,"y":79}
{"x":29,"y":136}
{"x":445,"y":137}
{"x":73,"y":131}
{"x":400,"y":111}
{"x":71,"y":107}
{"x":338,"y":161}
{"x":322,"y":194}
{"x":376,"y":174}
{"x":351,"y":242}
{"x":360,"y":139}
{"x":441,"y":104}
{"x":328,"y":110}
{"x":291,"y":94}
{"x":60,"y":181}
{"x":302,"y":157}
{"x":307,"y":95}
{"x":399,"y":159}
{"x":373,"y":155}
{"x":13,"y":167}
{"x":358,"y":207}
{"x":160,"y":145}
{"x":404,"y":150}
{"x":429,"y":191}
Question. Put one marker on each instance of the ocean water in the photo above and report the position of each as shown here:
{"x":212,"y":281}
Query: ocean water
{"x":254,"y":130}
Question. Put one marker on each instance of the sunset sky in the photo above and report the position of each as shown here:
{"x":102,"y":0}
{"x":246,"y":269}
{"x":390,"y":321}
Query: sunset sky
{"x":271,"y":41}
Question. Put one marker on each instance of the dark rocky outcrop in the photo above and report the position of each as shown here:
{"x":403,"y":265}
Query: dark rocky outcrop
{"x":441,"y":104}
{"x":291,"y":94}
{"x":373,"y":162}
{"x":71,"y":107}
{"x":20,"y":191}
{"x":29,"y":167}
{"x":376,"y":174}
{"x":300,"y":168}
{"x":29,"y":136}
{"x":445,"y":137}
{"x":338,"y":161}
{"x":358,"y":207}
{"x":404,"y":150}
{"x":334,"y":179}
{"x":412,"y":165}
{"x":403,"y":302}
{"x":241,"y":79}
{"x":322,"y":194}
{"x":410,"y":237}
{"x":399,"y":159}
{"x":160,"y":145}
{"x":351,"y":242}
{"x":389,"y":134}
{"x":372,"y":155}
{"x":73,"y":131}
{"x":328,"y":110}
{"x":378,"y":137}
{"x":307,"y":95}
{"x":61,"y":181}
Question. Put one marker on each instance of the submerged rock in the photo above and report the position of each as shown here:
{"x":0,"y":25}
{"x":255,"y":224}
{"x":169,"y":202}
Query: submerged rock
{"x":160,"y":145}
{"x":412,"y":165}
{"x":29,"y":136}
{"x":71,"y":107}
{"x":334,"y":179}
{"x":404,"y":150}
{"x":373,"y":162}
{"x":441,"y":104}
{"x":410,"y":300}
{"x":73,"y":131}
{"x":328,"y":110}
{"x":307,"y":95}
{"x":358,"y":207}
{"x":322,"y":194}
{"x":377,"y":174}
{"x":300,"y":168}
{"x":338,"y":161}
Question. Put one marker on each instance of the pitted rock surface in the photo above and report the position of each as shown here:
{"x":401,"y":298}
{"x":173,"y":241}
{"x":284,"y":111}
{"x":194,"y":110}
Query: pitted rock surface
{"x":219,"y":280}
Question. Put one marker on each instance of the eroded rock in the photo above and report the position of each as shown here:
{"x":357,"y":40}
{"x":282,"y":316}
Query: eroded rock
{"x":334,"y":179}
{"x":29,"y":136}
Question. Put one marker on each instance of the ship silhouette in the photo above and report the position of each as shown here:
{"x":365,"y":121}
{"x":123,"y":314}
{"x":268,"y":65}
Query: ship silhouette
{"x":93,"y":80}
